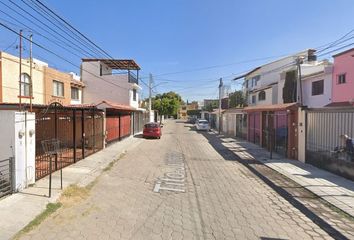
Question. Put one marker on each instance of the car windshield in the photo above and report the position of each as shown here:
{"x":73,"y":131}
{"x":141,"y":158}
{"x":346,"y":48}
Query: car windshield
{"x":151,"y":125}
{"x":203,"y":121}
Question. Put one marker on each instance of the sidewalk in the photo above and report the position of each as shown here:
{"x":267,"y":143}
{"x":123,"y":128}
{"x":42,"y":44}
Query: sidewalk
{"x":19,"y":209}
{"x":336,"y":190}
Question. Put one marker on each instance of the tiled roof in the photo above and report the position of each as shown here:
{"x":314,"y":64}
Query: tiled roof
{"x":274,"y":107}
{"x":117,"y":106}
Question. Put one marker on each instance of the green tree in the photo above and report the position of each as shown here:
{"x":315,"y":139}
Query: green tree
{"x":167,"y":103}
{"x":237,"y":99}
{"x":211,"y":106}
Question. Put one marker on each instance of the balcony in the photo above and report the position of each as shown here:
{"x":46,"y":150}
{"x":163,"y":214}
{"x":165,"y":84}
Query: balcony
{"x":133,"y":78}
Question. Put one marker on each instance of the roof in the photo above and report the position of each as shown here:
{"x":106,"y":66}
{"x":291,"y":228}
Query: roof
{"x":274,"y":107}
{"x":76,"y":83}
{"x":341,"y":53}
{"x":244,"y":75}
{"x":216,"y":111}
{"x":234,"y":110}
{"x":116,"y":106}
{"x":340,"y":104}
{"x":123,"y":64}
{"x":11,"y":106}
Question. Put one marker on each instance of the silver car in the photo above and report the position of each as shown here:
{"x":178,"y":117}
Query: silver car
{"x":202,"y":124}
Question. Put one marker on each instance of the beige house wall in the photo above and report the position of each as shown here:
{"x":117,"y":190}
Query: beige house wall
{"x":10,"y":79}
{"x":50,"y":75}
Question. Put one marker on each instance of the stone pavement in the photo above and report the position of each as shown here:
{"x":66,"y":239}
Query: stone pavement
{"x":216,"y":198}
{"x":17,"y":210}
{"x":336,"y":190}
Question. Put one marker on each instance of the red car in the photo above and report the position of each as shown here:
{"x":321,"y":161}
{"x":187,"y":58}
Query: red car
{"x":152,"y":129}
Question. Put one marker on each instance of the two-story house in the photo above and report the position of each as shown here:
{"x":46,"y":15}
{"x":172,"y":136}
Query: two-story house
{"x":48,"y":84}
{"x":113,"y":86}
{"x":274,"y":94}
{"x":343,"y":79}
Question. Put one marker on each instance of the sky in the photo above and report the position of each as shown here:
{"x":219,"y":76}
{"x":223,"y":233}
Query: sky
{"x":189,"y":44}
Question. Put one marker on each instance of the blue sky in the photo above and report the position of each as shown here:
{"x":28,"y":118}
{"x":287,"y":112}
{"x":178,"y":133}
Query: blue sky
{"x":169,"y":36}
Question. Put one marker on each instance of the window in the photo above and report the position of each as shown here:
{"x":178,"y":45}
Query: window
{"x":341,"y":78}
{"x":261,"y":96}
{"x":74,"y":93}
{"x":25,"y":84}
{"x":58,"y":89}
{"x":317,"y":88}
{"x":134,"y":94}
{"x":254,"y":99}
{"x":256,"y":79}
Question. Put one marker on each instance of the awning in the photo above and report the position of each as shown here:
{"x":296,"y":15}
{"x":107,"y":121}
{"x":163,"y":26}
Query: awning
{"x":122,"y":64}
{"x":275,"y":107}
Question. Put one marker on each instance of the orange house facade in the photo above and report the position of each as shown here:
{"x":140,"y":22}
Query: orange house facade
{"x":48,"y":84}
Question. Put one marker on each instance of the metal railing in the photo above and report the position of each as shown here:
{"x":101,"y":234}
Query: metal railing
{"x":6,"y":173}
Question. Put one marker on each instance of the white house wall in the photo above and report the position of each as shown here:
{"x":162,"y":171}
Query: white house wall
{"x":97,"y":89}
{"x":318,"y":100}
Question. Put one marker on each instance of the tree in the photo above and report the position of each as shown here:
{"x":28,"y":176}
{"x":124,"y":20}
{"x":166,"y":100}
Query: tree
{"x":211,"y":106}
{"x":167,"y":103}
{"x":237,"y":99}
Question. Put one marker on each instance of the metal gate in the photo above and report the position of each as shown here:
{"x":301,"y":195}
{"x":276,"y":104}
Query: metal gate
{"x":80,"y":132}
{"x":324,"y":147}
{"x":275,"y":131}
{"x":6,"y":172}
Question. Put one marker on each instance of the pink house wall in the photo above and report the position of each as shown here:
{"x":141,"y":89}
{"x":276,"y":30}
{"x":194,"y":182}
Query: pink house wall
{"x":343,"y":63}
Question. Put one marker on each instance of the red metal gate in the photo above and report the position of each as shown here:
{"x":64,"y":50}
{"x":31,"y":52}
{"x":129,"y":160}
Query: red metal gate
{"x":125,"y":125}
{"x":112,"y":128}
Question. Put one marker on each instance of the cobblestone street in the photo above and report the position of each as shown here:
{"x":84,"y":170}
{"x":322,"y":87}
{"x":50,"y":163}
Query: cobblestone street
{"x":179,"y":187}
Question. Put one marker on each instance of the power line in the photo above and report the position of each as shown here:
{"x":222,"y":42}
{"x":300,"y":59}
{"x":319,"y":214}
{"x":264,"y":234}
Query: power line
{"x":11,"y":45}
{"x":217,"y":66}
{"x":76,"y":30}
{"x":34,"y":23}
{"x":75,"y":39}
{"x":62,"y":58}
{"x":46,"y":25}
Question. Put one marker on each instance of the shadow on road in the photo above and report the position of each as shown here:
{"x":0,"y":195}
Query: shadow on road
{"x":295,"y":194}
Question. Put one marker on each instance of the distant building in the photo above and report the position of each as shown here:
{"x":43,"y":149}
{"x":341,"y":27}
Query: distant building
{"x":183,"y":110}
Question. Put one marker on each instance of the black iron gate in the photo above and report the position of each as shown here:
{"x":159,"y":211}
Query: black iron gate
{"x":6,"y":172}
{"x":80,"y":132}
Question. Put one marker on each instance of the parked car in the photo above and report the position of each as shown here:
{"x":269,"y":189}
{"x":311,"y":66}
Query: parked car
{"x":192,"y":119}
{"x":202,"y":124}
{"x":152,"y":130}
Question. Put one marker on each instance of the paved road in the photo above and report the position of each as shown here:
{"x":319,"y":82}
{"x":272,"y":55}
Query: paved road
{"x":200,"y":195}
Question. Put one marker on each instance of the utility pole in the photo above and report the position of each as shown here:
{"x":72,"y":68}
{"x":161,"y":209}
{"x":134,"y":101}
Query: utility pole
{"x":31,"y":82}
{"x":220,"y":87}
{"x":20,"y":71}
{"x":299,"y":61}
{"x":150,"y":90}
